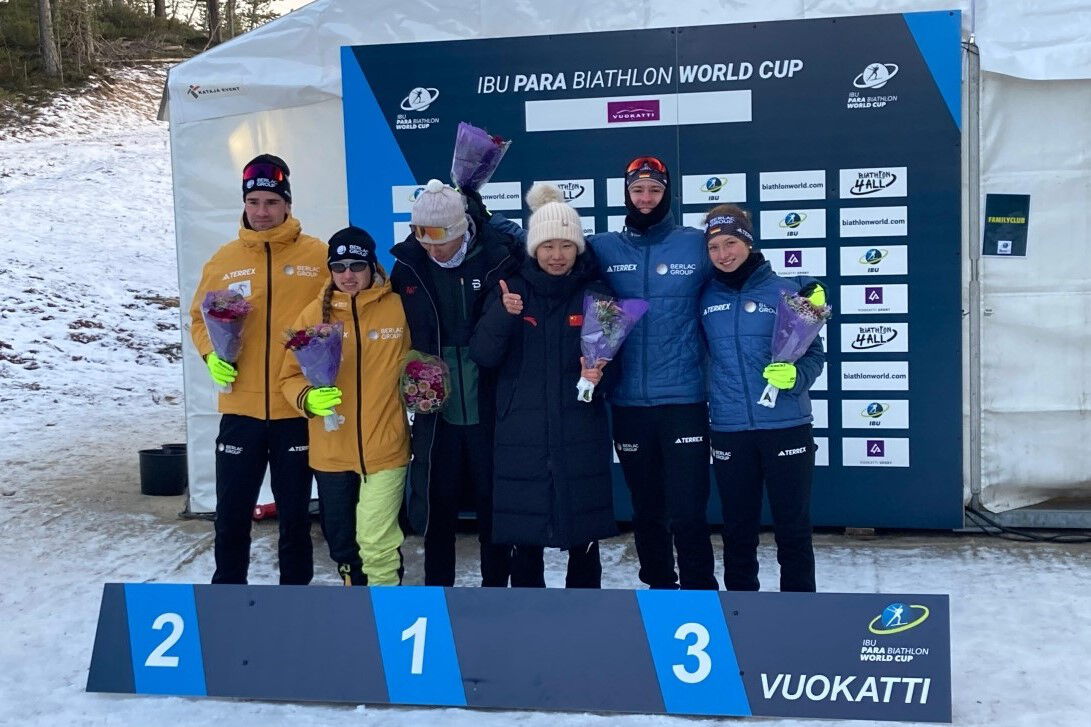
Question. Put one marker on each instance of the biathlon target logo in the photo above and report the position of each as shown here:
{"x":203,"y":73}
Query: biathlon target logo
{"x":875,"y":75}
{"x":874,"y":256}
{"x":898,"y":617}
{"x":793,"y":220}
{"x":420,"y":98}
{"x":712,"y":185}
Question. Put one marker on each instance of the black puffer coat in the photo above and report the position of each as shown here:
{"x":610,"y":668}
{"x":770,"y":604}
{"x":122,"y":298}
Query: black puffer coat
{"x":552,"y":464}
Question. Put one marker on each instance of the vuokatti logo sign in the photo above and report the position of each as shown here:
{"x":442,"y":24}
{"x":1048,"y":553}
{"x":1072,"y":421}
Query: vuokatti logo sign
{"x":622,"y":111}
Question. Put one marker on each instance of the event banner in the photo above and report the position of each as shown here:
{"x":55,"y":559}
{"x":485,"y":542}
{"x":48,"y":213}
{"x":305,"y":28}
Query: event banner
{"x":843,"y":656}
{"x":1006,"y":224}
{"x":842,"y":138}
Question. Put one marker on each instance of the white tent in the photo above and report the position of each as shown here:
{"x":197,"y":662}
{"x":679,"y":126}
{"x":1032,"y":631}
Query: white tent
{"x":1027,"y":382}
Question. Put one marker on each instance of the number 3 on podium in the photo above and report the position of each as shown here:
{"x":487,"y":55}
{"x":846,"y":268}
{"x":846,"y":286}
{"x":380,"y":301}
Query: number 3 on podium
{"x":697,"y":649}
{"x":692,"y":652}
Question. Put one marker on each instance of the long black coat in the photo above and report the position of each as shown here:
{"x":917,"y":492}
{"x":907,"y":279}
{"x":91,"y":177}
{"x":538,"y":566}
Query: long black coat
{"x":411,"y":279}
{"x":552,"y":452}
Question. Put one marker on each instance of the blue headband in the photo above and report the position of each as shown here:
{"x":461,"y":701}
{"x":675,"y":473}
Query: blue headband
{"x":728,"y":225}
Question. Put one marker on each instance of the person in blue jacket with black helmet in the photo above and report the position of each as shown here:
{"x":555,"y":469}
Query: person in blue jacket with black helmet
{"x":754,"y":446}
{"x":660,"y":415}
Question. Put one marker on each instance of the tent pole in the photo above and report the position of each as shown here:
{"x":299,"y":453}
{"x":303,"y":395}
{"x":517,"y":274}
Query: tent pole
{"x":972,"y":140}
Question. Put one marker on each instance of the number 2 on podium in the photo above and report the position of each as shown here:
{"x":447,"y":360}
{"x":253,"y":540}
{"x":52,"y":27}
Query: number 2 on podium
{"x":417,"y":632}
{"x":158,"y":656}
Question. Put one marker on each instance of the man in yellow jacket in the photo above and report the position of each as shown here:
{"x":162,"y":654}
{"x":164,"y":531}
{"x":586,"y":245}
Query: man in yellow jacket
{"x":278,"y":270}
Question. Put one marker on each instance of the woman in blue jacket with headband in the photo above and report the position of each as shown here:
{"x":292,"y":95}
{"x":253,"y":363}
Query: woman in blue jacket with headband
{"x":753,"y":446}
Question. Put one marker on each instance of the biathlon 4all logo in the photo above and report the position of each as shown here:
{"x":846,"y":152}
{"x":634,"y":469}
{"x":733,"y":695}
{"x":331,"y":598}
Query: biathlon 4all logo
{"x":898,"y":617}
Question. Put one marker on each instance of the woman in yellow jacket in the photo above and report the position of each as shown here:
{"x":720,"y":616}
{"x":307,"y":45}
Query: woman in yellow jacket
{"x":360,"y":467}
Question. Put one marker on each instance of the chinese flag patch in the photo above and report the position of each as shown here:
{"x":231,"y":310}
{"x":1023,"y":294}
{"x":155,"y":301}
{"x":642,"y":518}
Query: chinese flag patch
{"x":576,"y":319}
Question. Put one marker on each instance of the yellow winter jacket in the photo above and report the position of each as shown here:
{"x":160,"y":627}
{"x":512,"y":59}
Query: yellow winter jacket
{"x":278,"y":271}
{"x":374,"y":435}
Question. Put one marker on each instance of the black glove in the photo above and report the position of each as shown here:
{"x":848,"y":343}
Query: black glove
{"x":474,"y":206}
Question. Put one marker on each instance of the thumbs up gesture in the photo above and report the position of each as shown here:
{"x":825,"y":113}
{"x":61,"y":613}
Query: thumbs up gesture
{"x":513,"y":302}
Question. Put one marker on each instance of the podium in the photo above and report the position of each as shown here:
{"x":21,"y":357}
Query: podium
{"x":838,"y":656}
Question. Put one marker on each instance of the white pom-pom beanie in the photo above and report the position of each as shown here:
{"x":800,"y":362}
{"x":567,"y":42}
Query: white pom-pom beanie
{"x":440,"y":205}
{"x":552,"y":218}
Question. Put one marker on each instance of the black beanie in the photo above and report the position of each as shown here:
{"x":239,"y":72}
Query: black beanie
{"x":267,"y":173}
{"x":352,"y":244}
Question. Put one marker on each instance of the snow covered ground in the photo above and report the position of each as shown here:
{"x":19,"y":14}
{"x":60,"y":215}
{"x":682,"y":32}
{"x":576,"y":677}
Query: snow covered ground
{"x":89,"y":374}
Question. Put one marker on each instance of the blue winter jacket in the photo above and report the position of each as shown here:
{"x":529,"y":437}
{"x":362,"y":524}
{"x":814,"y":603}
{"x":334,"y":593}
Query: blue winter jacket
{"x":738,"y":327}
{"x":667,"y":266}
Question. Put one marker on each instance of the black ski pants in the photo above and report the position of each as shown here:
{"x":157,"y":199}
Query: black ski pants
{"x":584,"y":567}
{"x":461,"y":454}
{"x":338,"y":493}
{"x":244,"y":448}
{"x":664,"y":454}
{"x":780,"y":461}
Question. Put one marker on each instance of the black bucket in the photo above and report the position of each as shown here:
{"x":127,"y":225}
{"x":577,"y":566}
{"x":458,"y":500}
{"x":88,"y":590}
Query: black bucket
{"x":163,"y":471}
{"x":178,"y":448}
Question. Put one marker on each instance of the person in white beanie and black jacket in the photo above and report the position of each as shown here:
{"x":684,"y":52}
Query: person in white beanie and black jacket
{"x":552,"y":485}
{"x":442,"y":272}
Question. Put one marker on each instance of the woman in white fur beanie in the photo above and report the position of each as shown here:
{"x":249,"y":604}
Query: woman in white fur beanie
{"x":551,"y":465}
{"x":552,"y":219}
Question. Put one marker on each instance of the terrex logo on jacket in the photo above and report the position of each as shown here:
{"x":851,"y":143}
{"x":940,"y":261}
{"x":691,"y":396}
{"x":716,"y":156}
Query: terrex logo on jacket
{"x":264,"y":267}
{"x":739,"y":333}
{"x":666,"y":266}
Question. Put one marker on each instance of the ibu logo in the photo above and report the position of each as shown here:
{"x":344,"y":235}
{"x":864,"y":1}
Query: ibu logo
{"x":876,"y":448}
{"x":712,"y":185}
{"x":898,"y":617}
{"x":875,"y":410}
{"x":793,"y":258}
{"x":874,"y":256}
{"x":873,"y":295}
{"x":793,"y":220}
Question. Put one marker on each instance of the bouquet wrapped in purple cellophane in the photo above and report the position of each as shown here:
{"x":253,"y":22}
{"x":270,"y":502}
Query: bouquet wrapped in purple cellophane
{"x":317,"y":348}
{"x":797,"y":324}
{"x":477,"y":155}
{"x":224,"y":312}
{"x":606,"y":323}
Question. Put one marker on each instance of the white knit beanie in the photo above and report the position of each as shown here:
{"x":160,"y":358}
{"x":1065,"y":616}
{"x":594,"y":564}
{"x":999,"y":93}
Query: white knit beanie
{"x":552,"y":218}
{"x":440,"y":205}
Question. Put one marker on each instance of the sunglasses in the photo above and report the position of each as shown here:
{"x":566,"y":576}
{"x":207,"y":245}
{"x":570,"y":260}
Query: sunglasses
{"x":263,"y":170}
{"x":649,"y":162}
{"x":354,"y":267}
{"x":439,"y":234}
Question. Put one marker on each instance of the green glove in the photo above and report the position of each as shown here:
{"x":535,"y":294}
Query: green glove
{"x":221,"y":371}
{"x":320,"y":402}
{"x":780,"y":375}
{"x":814,"y":293}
